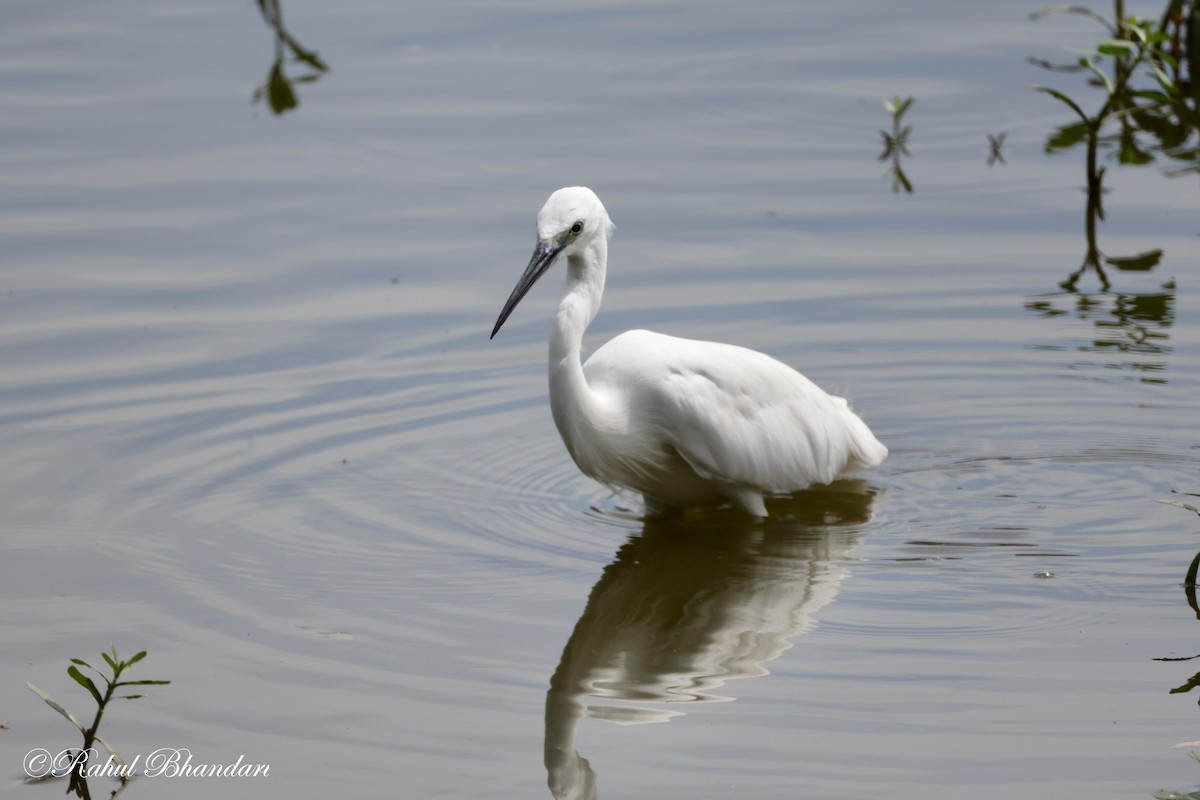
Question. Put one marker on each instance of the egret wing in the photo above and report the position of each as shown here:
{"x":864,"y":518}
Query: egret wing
{"x":741,"y":417}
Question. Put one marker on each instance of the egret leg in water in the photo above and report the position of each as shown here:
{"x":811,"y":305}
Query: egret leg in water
{"x":682,"y":421}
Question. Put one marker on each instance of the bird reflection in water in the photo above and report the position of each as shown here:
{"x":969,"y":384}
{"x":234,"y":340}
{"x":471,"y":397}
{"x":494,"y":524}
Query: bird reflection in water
{"x":691,"y":603}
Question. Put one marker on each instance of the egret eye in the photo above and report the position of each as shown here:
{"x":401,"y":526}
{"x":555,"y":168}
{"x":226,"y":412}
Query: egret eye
{"x":577,"y":228}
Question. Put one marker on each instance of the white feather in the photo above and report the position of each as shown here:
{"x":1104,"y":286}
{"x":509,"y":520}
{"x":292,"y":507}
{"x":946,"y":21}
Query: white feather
{"x":684,"y":422}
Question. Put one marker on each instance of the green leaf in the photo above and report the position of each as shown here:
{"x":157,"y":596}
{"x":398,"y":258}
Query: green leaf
{"x":143,"y":683}
{"x":50,"y":701}
{"x":1067,"y":136}
{"x":896,"y":107}
{"x":136,"y":658}
{"x":1099,"y":73}
{"x":1143,"y":262}
{"x":899,"y":180}
{"x":1190,"y":578}
{"x":131,"y":696}
{"x":111,"y":664}
{"x":1165,"y":81}
{"x":306,"y":56}
{"x":1191,"y":573}
{"x":86,"y":682}
{"x":1135,"y":157}
{"x":279,"y":91}
{"x":1156,"y":97}
{"x":1063,"y":8}
{"x":1063,"y":98}
{"x":1129,"y":152}
{"x":1116,"y":47}
{"x":81,"y":663}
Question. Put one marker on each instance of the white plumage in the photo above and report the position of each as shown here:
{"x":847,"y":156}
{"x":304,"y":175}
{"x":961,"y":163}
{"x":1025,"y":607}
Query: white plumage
{"x":684,"y":422}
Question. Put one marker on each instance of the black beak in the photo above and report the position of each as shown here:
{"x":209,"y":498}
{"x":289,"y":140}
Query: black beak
{"x":543,"y":258}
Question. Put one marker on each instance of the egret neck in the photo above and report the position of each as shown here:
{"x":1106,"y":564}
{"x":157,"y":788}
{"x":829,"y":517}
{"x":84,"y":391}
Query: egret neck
{"x":572,"y":402}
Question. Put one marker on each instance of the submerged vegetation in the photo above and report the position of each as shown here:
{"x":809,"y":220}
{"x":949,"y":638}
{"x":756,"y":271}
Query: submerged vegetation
{"x":76,"y":765}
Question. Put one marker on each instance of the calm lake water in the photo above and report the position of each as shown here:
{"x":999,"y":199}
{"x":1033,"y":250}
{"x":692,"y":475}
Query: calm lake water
{"x":251,"y":422}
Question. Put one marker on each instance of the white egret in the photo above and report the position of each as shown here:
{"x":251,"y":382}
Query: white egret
{"x":684,"y":422}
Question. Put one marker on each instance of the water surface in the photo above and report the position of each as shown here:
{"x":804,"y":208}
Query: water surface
{"x":251,"y":421}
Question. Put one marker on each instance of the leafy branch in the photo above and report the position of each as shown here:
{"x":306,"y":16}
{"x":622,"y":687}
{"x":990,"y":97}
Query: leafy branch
{"x":1149,"y":98}
{"x":90,"y":733}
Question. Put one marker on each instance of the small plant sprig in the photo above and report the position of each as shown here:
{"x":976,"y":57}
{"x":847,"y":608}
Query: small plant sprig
{"x":895,"y":144}
{"x":1184,"y":506}
{"x":996,"y":148}
{"x":112,"y":684}
{"x":279,"y":92}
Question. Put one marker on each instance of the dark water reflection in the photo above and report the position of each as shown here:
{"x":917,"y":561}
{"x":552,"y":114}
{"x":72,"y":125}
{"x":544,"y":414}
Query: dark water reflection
{"x":1189,"y":590}
{"x":1133,"y":329}
{"x":691,"y":603}
{"x":279,"y":90}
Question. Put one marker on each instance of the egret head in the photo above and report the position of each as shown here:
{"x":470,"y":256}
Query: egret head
{"x":570,"y":221}
{"x":571,"y":217}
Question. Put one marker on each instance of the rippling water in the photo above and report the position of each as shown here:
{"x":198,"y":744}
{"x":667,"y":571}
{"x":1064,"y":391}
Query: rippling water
{"x":251,"y":421}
